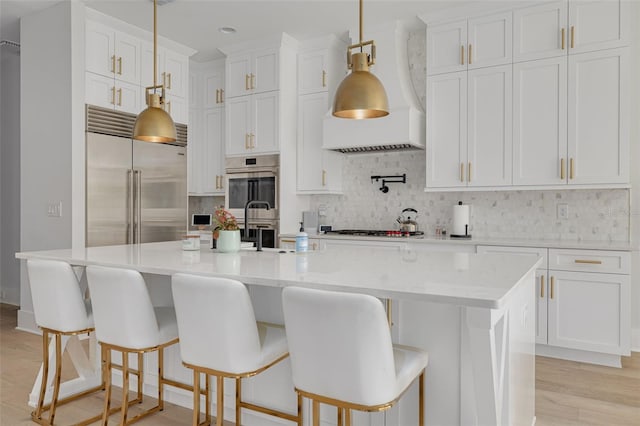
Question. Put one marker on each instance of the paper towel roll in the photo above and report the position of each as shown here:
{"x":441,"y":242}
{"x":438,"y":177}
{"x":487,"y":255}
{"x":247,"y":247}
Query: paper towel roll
{"x":460,"y":220}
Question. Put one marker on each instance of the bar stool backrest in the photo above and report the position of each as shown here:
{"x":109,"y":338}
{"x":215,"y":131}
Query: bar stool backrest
{"x":122,"y":308}
{"x":57,"y":299}
{"x":340,"y":345}
{"x":216,"y":324}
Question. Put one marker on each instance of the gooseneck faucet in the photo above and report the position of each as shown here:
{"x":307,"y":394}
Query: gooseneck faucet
{"x":258,"y":240}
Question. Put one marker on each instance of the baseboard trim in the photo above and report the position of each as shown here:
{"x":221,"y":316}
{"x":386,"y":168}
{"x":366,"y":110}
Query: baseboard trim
{"x":607,"y":360}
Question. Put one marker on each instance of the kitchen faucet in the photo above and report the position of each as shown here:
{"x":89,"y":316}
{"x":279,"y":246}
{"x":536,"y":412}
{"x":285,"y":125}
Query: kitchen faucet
{"x":258,"y":240}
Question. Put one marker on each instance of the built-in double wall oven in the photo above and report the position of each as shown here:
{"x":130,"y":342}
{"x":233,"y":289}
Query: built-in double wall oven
{"x":254,"y":179}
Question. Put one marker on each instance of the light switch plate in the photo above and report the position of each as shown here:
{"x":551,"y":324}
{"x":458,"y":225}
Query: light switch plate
{"x":562,"y":211}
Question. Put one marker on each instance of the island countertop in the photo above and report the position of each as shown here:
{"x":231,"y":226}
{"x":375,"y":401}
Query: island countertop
{"x":473,"y":280}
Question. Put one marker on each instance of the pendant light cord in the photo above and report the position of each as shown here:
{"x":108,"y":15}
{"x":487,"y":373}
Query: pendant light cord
{"x":361,"y":26}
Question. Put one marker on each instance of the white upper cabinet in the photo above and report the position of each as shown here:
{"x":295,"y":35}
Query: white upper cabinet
{"x":214,"y":94}
{"x":476,"y":43}
{"x":596,"y":25}
{"x":173,"y":70}
{"x":112,"y":53}
{"x":540,"y":32}
{"x":312,"y":71}
{"x":252,"y":124}
{"x":109,"y":93}
{"x":252,"y":72}
{"x":540,"y":122}
{"x":598,"y":139}
{"x":562,"y":28}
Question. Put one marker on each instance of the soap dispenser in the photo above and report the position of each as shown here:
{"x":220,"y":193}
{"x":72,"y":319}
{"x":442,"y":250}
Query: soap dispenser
{"x":302,"y":240}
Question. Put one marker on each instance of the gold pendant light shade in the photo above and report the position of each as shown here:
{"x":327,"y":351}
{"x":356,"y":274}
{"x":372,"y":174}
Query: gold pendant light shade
{"x":360,"y":95}
{"x":154,"y":124}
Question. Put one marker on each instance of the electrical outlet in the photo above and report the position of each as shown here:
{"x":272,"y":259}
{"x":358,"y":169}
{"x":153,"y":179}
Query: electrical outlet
{"x":562,"y":211}
{"x":54,"y":209}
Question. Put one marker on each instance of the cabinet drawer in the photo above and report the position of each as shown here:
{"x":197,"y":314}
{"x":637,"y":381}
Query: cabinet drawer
{"x":614,"y":262}
{"x":532,"y":251}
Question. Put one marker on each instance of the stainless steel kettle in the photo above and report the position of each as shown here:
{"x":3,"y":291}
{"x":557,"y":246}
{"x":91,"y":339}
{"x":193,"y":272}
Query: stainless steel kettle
{"x":407,"y":220}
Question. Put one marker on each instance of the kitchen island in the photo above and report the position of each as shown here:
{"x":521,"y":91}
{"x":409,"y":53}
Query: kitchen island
{"x":474,"y":314}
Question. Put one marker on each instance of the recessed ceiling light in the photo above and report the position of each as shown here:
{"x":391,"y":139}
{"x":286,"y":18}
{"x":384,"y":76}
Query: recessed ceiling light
{"x":227,"y":30}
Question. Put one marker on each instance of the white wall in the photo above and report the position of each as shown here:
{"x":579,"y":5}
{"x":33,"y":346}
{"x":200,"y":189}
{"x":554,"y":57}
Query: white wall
{"x":10,"y":167}
{"x":51,"y":123}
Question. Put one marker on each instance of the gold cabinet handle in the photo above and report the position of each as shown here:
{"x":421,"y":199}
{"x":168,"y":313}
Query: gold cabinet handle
{"x":113,"y":63}
{"x":222,"y":182}
{"x":169,"y":77}
{"x":541,"y":286}
{"x":217,"y":182}
{"x":469,"y":173}
{"x":470,"y":54}
{"x":461,"y":172}
{"x":588,"y":261}
{"x":217,"y":96}
{"x":573,"y":36}
{"x":562,"y":168}
{"x":287,"y":241}
{"x":246,"y":141}
{"x":324,"y":78}
{"x":571,"y":168}
{"x":253,"y":81}
{"x":246,"y":82}
{"x":221,"y":96}
{"x":324,"y":178}
{"x":551,"y":289}
{"x":120,"y":97}
{"x":120,"y":65}
{"x":462,"y":55}
{"x":562,"y":31}
{"x":113,"y":95}
{"x":253,"y":141}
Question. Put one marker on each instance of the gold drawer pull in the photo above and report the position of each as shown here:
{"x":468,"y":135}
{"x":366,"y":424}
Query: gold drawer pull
{"x":551,"y":290}
{"x":541,"y":286}
{"x":589,"y":262}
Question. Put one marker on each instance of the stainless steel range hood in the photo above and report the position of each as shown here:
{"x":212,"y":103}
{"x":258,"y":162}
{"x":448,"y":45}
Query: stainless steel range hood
{"x":404,"y":127}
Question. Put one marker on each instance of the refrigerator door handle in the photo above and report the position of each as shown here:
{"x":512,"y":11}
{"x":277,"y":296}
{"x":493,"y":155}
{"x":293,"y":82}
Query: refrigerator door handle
{"x":139,"y":207}
{"x":136,"y":204}
{"x":128,"y":209}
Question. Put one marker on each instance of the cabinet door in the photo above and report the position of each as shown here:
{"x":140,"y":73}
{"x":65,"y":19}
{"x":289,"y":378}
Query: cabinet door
{"x":127,"y":63}
{"x":447,"y":130}
{"x":265,"y":73}
{"x":489,"y":127}
{"x":312,"y":72}
{"x":538,"y":32}
{"x":214,"y":88}
{"x":489,"y":40}
{"x":237,"y":75}
{"x":128,"y":97}
{"x":146,"y":65}
{"x":100,"y":90}
{"x":264,"y":138}
{"x":598,"y":141}
{"x":542,"y":292}
{"x":177,"y":108}
{"x":596,"y":25}
{"x":238,"y":113}
{"x":589,"y":311}
{"x":446,"y":47}
{"x":175,"y":74}
{"x":311,"y":111}
{"x":213,"y":167}
{"x":539,"y":121}
{"x":99,"y":52}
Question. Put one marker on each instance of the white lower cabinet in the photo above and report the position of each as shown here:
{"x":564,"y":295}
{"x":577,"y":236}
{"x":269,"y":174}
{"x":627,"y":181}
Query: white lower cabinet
{"x":582,"y":298}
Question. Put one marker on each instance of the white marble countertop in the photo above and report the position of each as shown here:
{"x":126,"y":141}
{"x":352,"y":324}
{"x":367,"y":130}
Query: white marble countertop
{"x":481,"y":280}
{"x":515,"y":242}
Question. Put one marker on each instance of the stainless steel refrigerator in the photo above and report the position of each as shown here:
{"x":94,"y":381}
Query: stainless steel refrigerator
{"x":136,"y":192}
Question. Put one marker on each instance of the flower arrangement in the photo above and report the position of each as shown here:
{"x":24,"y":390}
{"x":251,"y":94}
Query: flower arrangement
{"x":224,"y":221}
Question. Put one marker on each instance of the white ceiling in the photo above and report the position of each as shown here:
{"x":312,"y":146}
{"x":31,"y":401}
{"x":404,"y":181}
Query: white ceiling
{"x":195,"y":23}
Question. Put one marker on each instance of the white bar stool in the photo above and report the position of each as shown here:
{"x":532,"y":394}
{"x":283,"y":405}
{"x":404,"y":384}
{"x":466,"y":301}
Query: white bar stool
{"x":342,"y":354}
{"x":60,"y":310}
{"x":126,"y":321}
{"x":219,"y":336}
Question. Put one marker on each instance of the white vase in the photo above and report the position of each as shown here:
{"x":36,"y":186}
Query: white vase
{"x":228,"y":241}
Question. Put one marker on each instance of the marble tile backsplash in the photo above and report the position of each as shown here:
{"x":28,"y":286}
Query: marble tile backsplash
{"x":594,"y":215}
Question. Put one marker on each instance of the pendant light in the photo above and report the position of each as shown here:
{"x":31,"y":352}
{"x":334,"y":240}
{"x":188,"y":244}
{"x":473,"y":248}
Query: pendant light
{"x":154,"y":124}
{"x":361,"y":94}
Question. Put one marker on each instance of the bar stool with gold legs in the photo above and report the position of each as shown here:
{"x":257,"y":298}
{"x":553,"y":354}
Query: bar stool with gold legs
{"x":127,"y":322}
{"x":342,"y":354}
{"x":219,"y":336}
{"x":60,"y":310}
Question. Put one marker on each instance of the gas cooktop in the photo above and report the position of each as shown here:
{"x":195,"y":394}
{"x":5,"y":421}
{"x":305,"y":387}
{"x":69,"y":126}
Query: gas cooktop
{"x":374,"y":233}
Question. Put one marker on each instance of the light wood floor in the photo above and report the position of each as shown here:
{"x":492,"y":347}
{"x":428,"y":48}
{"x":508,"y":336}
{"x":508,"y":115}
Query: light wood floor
{"x":567,"y":393}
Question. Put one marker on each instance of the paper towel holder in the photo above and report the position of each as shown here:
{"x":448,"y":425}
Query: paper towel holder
{"x":389,"y":179}
{"x":466,"y":234}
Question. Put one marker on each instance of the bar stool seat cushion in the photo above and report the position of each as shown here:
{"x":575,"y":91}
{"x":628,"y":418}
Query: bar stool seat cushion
{"x":409,"y":363}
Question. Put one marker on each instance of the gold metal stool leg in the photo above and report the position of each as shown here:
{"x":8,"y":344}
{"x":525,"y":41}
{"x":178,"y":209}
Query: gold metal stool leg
{"x":238,"y":398}
{"x":316,"y":413}
{"x":107,"y":397}
{"x":339,"y":416}
{"x":196,"y":398}
{"x":45,"y":374}
{"x":125,"y":388}
{"x":299,"y":409}
{"x":421,"y":400}
{"x":347,"y":417}
{"x":220,"y":400}
{"x":161,"y":378}
{"x":140,"y":375}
